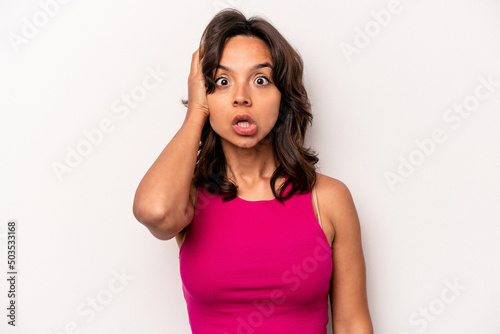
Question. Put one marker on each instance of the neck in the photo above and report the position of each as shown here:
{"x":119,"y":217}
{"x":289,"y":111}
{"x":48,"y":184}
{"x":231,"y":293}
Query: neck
{"x":250,"y":166}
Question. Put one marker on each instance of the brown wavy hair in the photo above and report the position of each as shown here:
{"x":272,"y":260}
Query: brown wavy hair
{"x":295,"y":162}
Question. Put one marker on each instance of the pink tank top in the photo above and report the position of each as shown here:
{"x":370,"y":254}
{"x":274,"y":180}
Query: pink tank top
{"x":255,"y":267}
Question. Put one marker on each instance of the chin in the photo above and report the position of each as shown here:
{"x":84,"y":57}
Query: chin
{"x":251,"y":142}
{"x":247,"y":142}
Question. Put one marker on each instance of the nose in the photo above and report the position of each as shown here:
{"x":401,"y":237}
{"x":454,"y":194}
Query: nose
{"x":241,"y":96}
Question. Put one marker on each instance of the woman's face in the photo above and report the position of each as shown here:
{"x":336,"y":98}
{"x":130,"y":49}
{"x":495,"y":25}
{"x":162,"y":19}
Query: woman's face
{"x":244,"y":86}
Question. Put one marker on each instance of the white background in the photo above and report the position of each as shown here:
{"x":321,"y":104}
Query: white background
{"x":76,"y":231}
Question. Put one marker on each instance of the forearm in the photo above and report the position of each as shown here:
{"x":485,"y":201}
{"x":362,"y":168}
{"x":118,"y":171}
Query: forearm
{"x":360,"y":325}
{"x":164,"y":189}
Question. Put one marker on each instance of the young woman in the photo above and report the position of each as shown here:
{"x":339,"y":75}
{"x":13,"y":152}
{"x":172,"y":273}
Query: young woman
{"x":264,"y":239}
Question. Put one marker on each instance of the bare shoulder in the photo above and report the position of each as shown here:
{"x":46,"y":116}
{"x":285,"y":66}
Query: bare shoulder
{"x":339,"y":204}
{"x":332,"y":189}
{"x":348,"y":299}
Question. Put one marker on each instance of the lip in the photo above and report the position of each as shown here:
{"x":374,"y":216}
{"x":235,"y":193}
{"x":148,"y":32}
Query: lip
{"x":244,"y":131}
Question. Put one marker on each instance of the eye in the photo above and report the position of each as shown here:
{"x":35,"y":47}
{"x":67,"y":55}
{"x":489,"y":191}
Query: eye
{"x":262,"y":79}
{"x":222,"y":79}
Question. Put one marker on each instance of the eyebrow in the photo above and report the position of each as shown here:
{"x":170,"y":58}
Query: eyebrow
{"x":254,"y":68}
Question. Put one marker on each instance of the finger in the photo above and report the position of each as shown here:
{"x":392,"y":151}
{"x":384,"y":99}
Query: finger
{"x":194,"y":62}
{"x":201,"y":48}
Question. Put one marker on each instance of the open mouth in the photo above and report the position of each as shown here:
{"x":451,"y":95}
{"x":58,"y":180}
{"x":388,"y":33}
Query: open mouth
{"x":244,"y":125}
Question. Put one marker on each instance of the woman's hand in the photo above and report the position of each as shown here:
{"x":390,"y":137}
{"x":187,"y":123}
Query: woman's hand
{"x":197,"y":97}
